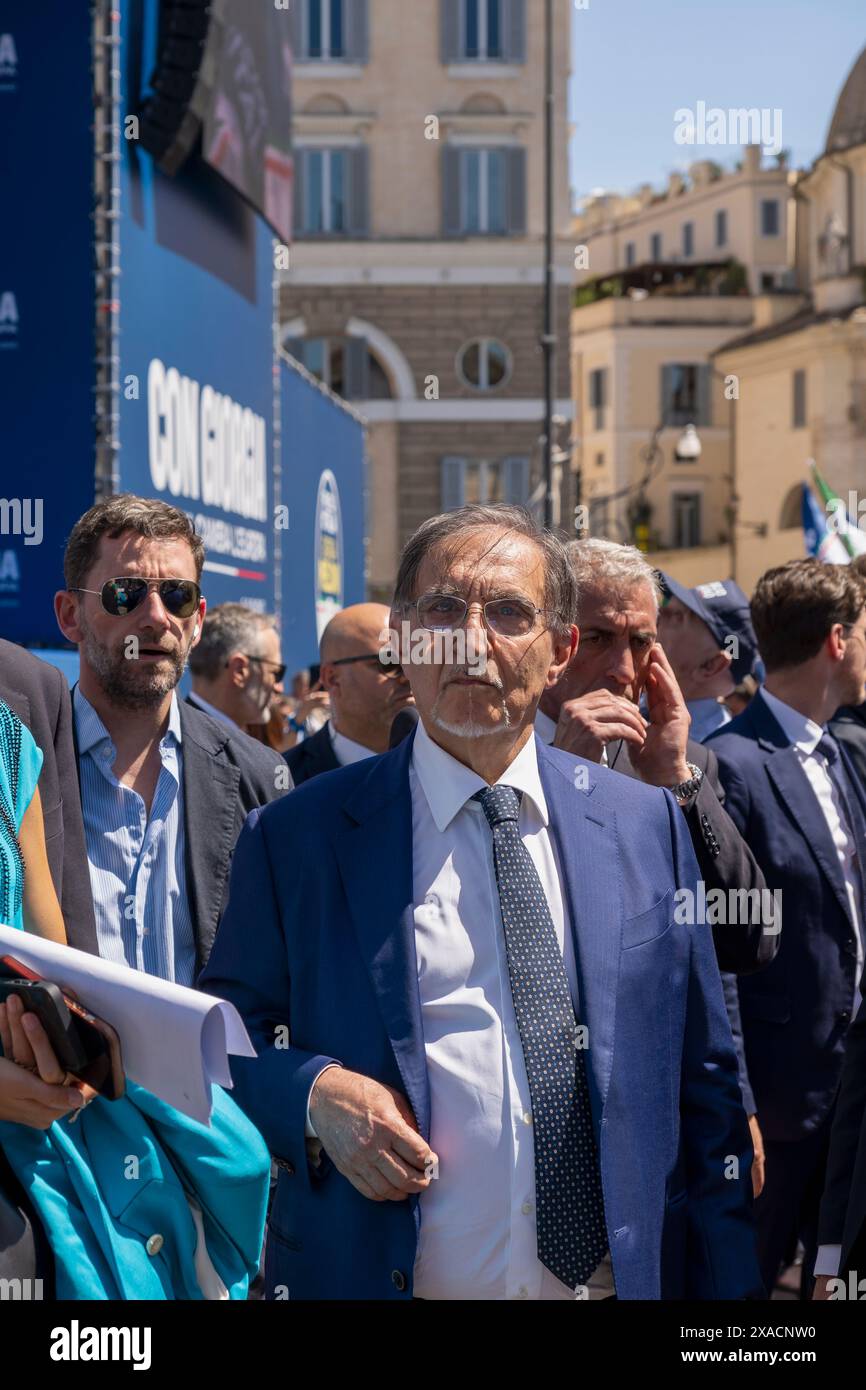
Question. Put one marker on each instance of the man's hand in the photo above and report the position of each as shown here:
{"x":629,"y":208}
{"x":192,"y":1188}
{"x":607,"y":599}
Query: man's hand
{"x":661,"y":760}
{"x":368,"y":1131}
{"x":758,"y":1160}
{"x":32,"y":1090}
{"x":589,"y":722}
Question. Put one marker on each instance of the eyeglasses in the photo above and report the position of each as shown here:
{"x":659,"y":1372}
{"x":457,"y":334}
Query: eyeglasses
{"x":279,"y":666}
{"x":120,"y":597}
{"x":509,"y":617}
{"x":388,"y":668}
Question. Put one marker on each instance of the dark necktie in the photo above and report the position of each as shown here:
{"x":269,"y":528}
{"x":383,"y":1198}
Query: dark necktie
{"x":572,"y":1239}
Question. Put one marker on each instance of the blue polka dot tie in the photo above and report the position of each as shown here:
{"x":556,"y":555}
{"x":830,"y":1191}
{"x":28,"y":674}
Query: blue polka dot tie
{"x":572,"y":1239}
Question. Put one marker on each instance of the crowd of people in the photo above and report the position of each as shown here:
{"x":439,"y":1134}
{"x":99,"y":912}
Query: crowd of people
{"x":551,"y":959}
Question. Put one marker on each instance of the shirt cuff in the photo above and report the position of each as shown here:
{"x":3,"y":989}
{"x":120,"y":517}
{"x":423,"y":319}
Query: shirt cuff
{"x":309,"y":1130}
{"x":828,"y":1259}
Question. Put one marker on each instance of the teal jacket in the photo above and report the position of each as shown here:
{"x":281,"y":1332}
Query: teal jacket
{"x":110,"y":1190}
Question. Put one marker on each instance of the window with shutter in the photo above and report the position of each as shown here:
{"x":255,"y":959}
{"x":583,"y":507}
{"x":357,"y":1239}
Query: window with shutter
{"x":515,"y":488}
{"x":357,"y":22}
{"x":449,"y":30}
{"x":453,"y":486}
{"x":357,"y":370}
{"x":358,"y":192}
{"x":798,"y":420}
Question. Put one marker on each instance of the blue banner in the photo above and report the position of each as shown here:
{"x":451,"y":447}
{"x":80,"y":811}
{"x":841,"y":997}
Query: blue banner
{"x":322,"y":490}
{"x":196,"y":349}
{"x":46,"y":304}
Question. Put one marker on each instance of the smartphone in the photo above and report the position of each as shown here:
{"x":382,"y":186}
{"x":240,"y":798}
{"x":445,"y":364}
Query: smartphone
{"x":85,"y":1046}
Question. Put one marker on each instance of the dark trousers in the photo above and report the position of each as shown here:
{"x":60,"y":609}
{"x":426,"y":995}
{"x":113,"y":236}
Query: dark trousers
{"x":787,"y":1209}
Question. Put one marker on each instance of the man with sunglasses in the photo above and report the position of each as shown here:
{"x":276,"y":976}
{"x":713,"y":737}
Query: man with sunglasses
{"x":165,"y":789}
{"x":366,"y":692}
{"x":235,"y":666}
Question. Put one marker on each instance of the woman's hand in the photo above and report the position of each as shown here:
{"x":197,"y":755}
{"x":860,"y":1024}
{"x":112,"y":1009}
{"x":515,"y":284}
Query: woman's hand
{"x":32,"y":1081}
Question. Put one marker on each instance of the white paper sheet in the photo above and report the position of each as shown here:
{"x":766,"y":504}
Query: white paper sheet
{"x":174,"y":1041}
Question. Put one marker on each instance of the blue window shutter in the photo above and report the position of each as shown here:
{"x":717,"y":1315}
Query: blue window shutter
{"x":667,"y":388}
{"x":515,"y":482}
{"x":453,"y":472}
{"x":356,"y":369}
{"x":357,"y":22}
{"x":359,"y":195}
{"x":514,"y":30}
{"x":298,"y":191}
{"x":451,"y":217}
{"x":449,"y":31}
{"x":704,"y":397}
{"x":516,"y":191}
{"x":296,"y":28}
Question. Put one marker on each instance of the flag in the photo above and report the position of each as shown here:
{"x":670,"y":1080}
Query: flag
{"x":826,"y":545}
{"x":839,"y":522}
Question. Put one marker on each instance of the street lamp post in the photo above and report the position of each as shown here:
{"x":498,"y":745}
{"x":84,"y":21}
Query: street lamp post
{"x":548,"y":340}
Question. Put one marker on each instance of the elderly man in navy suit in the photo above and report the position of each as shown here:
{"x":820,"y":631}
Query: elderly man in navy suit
{"x":492,"y":1063}
{"x":794,"y":795}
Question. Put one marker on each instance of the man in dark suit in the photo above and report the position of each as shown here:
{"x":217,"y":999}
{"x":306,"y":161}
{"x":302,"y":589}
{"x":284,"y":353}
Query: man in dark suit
{"x":366,"y":693}
{"x":39,"y":695}
{"x":594,"y":712}
{"x":842,"y":1221}
{"x":165,"y":789}
{"x":444,"y":906}
{"x":791,"y":790}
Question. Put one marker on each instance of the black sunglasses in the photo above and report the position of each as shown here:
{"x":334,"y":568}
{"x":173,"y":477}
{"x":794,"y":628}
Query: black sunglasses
{"x":279,"y":666}
{"x":388,"y":668}
{"x":120,"y":597}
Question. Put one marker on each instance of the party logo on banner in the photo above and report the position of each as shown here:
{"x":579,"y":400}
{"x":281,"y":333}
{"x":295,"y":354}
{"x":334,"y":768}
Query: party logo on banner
{"x":329,"y":551}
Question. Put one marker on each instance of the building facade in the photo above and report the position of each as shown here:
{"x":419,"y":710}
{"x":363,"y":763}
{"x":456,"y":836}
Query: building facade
{"x":415,"y":286}
{"x":803,"y":374}
{"x":665,"y":279}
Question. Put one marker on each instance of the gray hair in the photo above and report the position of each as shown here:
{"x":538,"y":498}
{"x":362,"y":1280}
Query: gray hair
{"x":560,"y":590}
{"x":598,"y":564}
{"x":228,"y":628}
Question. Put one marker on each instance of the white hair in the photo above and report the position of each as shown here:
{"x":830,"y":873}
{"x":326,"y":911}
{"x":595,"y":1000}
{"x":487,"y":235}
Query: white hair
{"x":598,"y":564}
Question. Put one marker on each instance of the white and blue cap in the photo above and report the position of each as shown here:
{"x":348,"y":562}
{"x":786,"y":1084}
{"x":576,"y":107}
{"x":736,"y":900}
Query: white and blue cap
{"x":724,"y":608}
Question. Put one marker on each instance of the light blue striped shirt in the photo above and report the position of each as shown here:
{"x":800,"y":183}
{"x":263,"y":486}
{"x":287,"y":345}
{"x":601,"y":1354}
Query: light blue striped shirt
{"x":137,"y":863}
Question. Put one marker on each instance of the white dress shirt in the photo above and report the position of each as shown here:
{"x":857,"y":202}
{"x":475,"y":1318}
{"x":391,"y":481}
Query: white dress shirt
{"x":805,"y":735}
{"x":478,"y":1231}
{"x":346,"y":750}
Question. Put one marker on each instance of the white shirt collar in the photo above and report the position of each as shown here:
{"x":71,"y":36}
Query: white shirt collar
{"x":545,"y":727}
{"x":449,"y":784}
{"x":804,"y":733}
{"x":346,"y":750}
{"x":90,"y":730}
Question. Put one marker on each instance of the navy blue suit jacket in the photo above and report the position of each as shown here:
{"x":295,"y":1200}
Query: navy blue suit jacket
{"x":329,"y":950}
{"x":796,"y":1012}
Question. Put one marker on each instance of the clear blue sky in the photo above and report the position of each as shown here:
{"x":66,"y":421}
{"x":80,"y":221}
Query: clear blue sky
{"x":635,"y":62}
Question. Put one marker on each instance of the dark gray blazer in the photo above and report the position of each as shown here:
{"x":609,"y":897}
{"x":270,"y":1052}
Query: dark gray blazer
{"x":314,"y":755}
{"x":39,"y":695}
{"x":726,"y":862}
{"x":843,"y":1207}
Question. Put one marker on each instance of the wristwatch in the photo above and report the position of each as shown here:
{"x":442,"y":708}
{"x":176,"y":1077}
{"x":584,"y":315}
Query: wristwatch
{"x":684,"y":791}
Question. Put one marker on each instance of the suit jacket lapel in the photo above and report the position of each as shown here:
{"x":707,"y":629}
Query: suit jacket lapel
{"x":210,"y":791}
{"x":804,"y":812}
{"x":374,"y":852}
{"x":585,"y":835}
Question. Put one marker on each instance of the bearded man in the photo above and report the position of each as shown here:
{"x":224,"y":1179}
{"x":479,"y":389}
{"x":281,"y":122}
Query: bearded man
{"x":165,"y":789}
